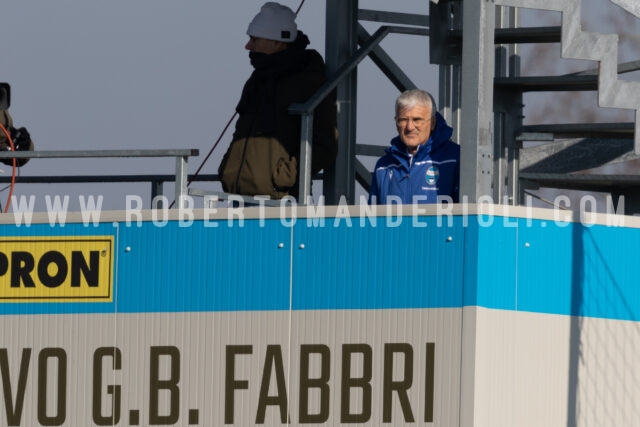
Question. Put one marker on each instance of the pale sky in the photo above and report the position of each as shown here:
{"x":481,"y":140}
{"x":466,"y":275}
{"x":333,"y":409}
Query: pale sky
{"x":154,"y":74}
{"x":150,"y":74}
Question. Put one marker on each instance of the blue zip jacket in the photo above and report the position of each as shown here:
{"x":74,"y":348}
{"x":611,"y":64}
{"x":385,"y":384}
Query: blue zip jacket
{"x":433,"y":171}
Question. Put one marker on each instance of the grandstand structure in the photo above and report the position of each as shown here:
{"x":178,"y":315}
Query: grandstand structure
{"x":466,"y":315}
{"x":481,"y":93}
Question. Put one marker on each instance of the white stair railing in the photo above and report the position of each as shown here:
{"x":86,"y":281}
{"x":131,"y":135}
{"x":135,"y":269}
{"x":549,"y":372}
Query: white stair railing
{"x":577,"y":44}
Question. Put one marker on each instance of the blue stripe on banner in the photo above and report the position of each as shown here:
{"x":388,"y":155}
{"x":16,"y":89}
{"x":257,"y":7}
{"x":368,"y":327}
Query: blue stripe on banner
{"x":408,"y":265}
{"x":579,"y":270}
{"x":201,"y":268}
{"x":401,"y":262}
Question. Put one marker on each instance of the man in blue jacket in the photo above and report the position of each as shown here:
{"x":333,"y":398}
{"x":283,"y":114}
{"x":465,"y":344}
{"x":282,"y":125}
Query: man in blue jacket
{"x":422,"y":162}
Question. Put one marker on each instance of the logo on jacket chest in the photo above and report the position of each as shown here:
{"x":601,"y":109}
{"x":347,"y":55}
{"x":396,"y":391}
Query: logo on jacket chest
{"x":432,"y":175}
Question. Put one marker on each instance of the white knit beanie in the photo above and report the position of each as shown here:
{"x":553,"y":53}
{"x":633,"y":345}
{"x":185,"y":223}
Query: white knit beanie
{"x":274,"y":22}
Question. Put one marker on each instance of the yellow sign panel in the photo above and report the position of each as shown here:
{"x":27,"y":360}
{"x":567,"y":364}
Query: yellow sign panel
{"x":57,"y":269}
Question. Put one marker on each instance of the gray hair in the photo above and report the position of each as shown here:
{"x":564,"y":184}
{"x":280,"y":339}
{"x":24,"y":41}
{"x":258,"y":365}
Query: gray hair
{"x":412,"y":97}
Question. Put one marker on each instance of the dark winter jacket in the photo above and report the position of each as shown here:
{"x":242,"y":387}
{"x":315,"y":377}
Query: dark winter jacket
{"x":434,"y":170}
{"x":263,"y":155}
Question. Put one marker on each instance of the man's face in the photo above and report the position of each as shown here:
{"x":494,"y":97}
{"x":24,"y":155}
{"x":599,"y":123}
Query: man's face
{"x":260,"y":45}
{"x":414,"y":126}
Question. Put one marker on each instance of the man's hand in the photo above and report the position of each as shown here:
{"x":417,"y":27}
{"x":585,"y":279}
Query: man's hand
{"x":21,"y":142}
{"x":21,"y":139}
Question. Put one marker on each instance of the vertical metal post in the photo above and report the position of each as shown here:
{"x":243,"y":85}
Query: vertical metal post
{"x":499,"y":138}
{"x":508,"y":117}
{"x":156,"y":190}
{"x":513,"y":149}
{"x":444,"y":17}
{"x":181,"y":179}
{"x":444,"y":96}
{"x":449,"y":97}
{"x":478,"y":29}
{"x":477,"y":99}
{"x":341,"y":41}
{"x":456,"y":78}
{"x":456,"y":101}
{"x":304,"y":184}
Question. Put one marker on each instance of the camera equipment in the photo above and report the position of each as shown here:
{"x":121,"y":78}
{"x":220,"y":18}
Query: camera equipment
{"x":5,"y":96}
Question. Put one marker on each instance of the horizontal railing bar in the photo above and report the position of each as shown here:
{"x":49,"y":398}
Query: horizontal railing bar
{"x":548,"y":83}
{"x":623,"y":67}
{"x":393,"y":17}
{"x":57,"y":154}
{"x":611,"y":130}
{"x":370,"y":150}
{"x":522,"y":35}
{"x":74,"y":179}
{"x":604,"y":183}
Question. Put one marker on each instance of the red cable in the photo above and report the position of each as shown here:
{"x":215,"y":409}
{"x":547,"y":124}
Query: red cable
{"x":210,"y":151}
{"x":13,"y":171}
{"x":214,"y":146}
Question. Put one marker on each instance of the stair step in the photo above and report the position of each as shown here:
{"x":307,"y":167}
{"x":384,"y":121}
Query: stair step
{"x":601,"y":183}
{"x":547,"y":83}
{"x":576,"y":130}
{"x":528,"y":35}
{"x":520,"y":35}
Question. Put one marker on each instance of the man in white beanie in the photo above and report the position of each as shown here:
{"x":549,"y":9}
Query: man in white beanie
{"x":262,"y":158}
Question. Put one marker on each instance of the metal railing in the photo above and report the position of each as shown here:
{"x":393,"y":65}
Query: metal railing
{"x":306,"y":109}
{"x":181,"y":178}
